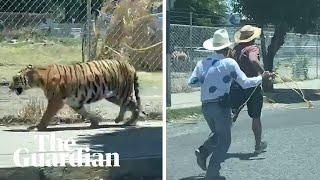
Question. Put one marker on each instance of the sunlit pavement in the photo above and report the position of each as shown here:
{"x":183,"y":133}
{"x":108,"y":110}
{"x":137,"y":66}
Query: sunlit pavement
{"x":293,"y":151}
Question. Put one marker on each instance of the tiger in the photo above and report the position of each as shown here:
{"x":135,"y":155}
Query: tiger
{"x":82,"y":83}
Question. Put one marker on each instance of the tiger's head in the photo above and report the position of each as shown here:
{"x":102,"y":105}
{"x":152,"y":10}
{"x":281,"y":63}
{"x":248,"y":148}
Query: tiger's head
{"x":21,"y":81}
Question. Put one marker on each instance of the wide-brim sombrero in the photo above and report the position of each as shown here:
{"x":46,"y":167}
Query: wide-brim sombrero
{"x":246,"y":34}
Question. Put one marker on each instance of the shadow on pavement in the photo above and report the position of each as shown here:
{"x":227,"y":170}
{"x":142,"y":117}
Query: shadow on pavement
{"x":245,"y":156}
{"x":288,"y":96}
{"x":65,"y":128}
{"x":127,"y":142}
{"x":241,"y":156}
{"x":194,"y":178}
{"x":140,"y":149}
{"x":201,"y":178}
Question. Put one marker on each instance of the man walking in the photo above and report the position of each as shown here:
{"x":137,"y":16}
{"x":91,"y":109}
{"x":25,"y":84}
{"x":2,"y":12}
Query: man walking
{"x":214,"y":75}
{"x":246,"y":53}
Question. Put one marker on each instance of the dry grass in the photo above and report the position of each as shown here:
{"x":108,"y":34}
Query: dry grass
{"x":184,"y":115}
{"x":131,"y":31}
{"x":32,"y":112}
{"x":29,"y":114}
{"x":179,"y":83}
{"x":153,"y":111}
{"x":33,"y":109}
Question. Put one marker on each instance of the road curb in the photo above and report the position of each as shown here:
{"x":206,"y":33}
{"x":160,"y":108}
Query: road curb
{"x":198,"y":104}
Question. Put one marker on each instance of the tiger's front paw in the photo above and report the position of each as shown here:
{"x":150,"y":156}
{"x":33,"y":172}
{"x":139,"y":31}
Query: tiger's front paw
{"x":94,"y":125}
{"x":131,"y":122}
{"x":118,"y":119}
{"x":37,"y":128}
{"x":32,"y":128}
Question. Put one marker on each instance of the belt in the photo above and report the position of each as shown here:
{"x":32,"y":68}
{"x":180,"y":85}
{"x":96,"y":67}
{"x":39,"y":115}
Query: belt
{"x":211,"y":100}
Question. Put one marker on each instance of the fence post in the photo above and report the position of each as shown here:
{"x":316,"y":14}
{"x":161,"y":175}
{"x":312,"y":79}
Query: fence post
{"x":317,"y":57}
{"x":168,"y":62}
{"x":88,"y":38}
{"x":190,"y":39}
{"x":89,"y":29}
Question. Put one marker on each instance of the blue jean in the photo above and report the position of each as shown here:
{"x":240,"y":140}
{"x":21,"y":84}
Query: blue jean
{"x":220,"y":121}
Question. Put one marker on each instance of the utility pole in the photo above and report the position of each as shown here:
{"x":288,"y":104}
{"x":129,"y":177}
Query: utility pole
{"x":168,"y":57}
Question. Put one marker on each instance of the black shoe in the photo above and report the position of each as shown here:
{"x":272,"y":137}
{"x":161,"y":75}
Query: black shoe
{"x":201,"y":160}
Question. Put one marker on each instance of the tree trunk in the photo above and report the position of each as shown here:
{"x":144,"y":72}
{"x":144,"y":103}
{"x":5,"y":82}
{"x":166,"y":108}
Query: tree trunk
{"x":263,"y":44}
{"x":276,"y":42}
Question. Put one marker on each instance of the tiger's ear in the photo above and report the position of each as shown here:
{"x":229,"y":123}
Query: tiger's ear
{"x":29,"y":66}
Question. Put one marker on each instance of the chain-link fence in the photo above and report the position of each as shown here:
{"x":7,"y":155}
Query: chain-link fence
{"x":186,"y":50}
{"x":84,"y":25}
{"x":43,"y":32}
{"x":42,"y":20}
{"x":136,"y":33}
{"x":297,"y":59}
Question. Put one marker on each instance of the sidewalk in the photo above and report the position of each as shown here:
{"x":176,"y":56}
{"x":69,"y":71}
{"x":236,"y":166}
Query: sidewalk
{"x":186,"y":100}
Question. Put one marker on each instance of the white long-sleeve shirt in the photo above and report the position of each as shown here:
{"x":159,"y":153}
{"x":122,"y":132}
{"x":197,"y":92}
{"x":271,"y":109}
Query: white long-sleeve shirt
{"x":215,"y":74}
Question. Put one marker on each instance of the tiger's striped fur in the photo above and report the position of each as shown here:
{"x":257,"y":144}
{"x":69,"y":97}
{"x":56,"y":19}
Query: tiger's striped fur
{"x":83,"y":83}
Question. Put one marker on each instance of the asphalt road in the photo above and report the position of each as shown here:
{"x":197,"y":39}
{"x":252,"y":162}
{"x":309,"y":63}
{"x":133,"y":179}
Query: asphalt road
{"x":293,"y":152}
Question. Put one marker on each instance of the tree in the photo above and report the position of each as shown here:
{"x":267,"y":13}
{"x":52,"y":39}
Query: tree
{"x":286,"y":15}
{"x":205,"y":12}
{"x":32,"y":6}
{"x":76,"y":9}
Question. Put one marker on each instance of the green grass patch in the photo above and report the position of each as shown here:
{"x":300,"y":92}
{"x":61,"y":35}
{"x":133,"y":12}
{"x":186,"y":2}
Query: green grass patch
{"x":16,"y":56}
{"x":154,"y":78}
{"x":191,"y":113}
{"x":151,"y":83}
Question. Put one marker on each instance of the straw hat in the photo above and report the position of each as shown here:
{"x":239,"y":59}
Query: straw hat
{"x":220,"y":40}
{"x":247,"y":33}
